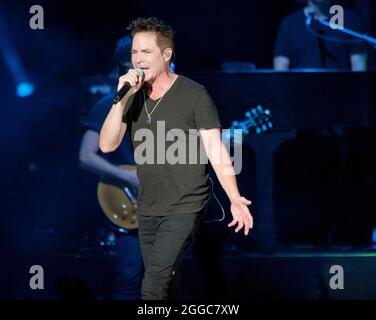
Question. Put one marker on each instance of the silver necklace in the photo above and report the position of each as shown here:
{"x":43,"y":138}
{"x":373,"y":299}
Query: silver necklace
{"x":148,"y":115}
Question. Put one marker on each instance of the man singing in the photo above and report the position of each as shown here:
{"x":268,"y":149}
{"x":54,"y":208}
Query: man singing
{"x":172,"y":196}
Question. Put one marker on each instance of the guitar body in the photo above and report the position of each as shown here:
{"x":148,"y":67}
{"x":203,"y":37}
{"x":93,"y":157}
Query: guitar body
{"x":118,"y":202}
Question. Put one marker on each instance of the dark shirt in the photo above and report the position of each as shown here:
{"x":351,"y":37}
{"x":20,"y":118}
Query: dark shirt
{"x":172,"y":188}
{"x":94,"y":121}
{"x":305,"y":50}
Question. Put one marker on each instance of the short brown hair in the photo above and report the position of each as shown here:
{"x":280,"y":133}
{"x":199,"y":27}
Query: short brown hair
{"x":164,"y":33}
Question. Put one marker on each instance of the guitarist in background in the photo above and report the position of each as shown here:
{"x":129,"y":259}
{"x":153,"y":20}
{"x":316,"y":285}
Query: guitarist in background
{"x":129,"y":265}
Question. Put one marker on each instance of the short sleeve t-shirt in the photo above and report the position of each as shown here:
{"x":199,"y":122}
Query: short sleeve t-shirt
{"x":305,"y":50}
{"x":94,"y":121}
{"x":172,"y":179}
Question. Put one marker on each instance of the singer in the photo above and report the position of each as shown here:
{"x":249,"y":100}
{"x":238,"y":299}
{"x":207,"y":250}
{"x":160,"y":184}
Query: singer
{"x":172,"y":197}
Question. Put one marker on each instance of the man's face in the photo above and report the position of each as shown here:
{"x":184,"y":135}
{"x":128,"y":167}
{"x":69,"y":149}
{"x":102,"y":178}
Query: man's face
{"x":147,"y":55}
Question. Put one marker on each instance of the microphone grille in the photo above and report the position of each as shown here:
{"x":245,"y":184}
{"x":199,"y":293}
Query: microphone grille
{"x":139,"y":72}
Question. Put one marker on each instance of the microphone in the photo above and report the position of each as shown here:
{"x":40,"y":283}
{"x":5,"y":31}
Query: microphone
{"x":123,"y":91}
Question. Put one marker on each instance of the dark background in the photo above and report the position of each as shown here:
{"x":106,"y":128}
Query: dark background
{"x":48,"y":202}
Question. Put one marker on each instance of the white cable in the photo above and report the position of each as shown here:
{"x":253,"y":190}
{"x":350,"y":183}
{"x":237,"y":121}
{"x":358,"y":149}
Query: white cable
{"x":219,"y":203}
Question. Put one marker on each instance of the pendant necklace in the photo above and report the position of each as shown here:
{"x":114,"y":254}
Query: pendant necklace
{"x":148,"y":115}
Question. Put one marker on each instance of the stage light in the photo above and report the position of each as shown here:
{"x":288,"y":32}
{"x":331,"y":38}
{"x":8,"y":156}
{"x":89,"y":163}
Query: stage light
{"x":25,"y":89}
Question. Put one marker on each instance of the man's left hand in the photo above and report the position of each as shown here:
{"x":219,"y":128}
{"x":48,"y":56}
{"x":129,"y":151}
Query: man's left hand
{"x":241,"y":215}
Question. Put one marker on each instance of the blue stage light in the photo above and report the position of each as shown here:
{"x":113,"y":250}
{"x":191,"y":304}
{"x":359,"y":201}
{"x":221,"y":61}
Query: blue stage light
{"x":25,"y":89}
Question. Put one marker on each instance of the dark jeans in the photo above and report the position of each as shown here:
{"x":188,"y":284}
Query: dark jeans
{"x":164,"y":240}
{"x":129,"y":267}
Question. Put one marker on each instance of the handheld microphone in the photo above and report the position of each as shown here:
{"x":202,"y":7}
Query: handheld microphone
{"x":123,"y":91}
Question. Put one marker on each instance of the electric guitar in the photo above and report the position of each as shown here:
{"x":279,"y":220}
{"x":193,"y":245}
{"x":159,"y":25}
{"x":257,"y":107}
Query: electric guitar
{"x":257,"y":119}
{"x":119,"y":200}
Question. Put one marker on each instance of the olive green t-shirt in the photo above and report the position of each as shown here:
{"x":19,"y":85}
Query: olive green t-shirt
{"x":173,"y":178}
